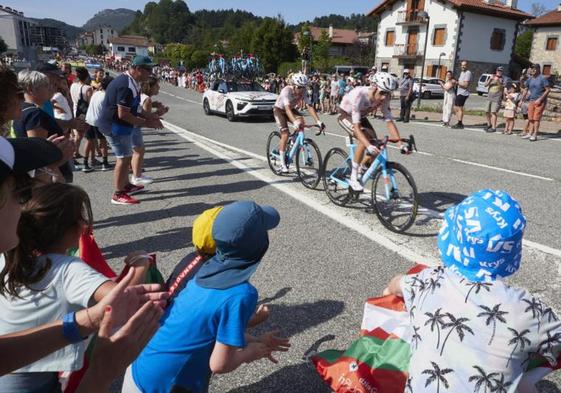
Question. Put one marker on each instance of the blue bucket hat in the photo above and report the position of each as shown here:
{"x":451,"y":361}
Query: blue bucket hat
{"x":481,"y":238}
{"x":240,"y":234}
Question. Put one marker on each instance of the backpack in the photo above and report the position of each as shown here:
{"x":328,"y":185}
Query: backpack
{"x":82,"y":105}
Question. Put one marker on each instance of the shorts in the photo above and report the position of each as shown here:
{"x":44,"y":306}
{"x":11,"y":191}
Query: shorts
{"x":121,"y":145}
{"x":493,"y":107}
{"x":282,"y":119}
{"x":137,"y":139}
{"x":460,"y":100}
{"x":535,"y":112}
{"x":94,"y":133}
{"x":346,"y":122}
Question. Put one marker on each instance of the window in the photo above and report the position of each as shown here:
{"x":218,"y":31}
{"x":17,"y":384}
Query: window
{"x":390,"y":37}
{"x":132,"y":49}
{"x":121,"y":48}
{"x":439,"y":36}
{"x":551,"y":43}
{"x":498,"y":39}
{"x":546,"y":69}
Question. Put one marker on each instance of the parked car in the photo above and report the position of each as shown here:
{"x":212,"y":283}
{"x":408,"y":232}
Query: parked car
{"x":431,"y":88}
{"x":238,"y":99}
{"x":483,"y":79}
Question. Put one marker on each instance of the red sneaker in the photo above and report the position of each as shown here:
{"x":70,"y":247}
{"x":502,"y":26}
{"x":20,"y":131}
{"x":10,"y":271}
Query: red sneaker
{"x":131,"y":189}
{"x":123,"y":198}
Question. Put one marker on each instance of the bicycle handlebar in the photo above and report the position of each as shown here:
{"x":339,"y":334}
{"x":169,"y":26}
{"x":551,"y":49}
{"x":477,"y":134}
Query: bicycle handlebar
{"x":411,"y":145}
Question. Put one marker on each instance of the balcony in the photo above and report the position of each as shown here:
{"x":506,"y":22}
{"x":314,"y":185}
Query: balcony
{"x":410,"y":18}
{"x":406,"y":51}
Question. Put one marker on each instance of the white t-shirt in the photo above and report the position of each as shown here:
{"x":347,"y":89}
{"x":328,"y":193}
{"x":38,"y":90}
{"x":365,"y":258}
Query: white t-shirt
{"x":288,"y":97}
{"x":75,"y":93}
{"x":334,"y":88}
{"x":62,"y":102}
{"x":94,"y":109}
{"x":358,"y":105}
{"x":67,"y":287}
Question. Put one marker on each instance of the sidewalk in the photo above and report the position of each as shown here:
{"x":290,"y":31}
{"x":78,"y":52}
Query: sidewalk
{"x":473,"y":121}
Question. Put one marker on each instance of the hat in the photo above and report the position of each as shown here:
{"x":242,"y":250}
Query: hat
{"x":481,"y":238}
{"x":21,"y":155}
{"x":500,"y":68}
{"x":50,"y":68}
{"x":142,"y":61}
{"x":202,"y":231}
{"x":240,"y":233}
{"x":406,"y":71}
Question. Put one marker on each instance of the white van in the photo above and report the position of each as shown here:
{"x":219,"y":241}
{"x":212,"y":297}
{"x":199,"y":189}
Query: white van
{"x":483,"y":79}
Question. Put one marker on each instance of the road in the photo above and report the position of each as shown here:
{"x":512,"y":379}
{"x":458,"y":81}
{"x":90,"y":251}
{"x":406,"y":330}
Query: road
{"x":474,"y":102}
{"x":323,"y":261}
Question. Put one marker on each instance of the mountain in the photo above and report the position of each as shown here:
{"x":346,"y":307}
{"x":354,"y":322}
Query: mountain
{"x":71,"y":32}
{"x":118,"y":19}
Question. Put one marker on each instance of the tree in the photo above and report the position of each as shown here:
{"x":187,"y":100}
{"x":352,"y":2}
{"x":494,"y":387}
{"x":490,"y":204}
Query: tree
{"x":523,"y":44}
{"x":537,"y":9}
{"x":199,"y":58}
{"x":243,"y":39}
{"x":272,"y":43}
{"x":3,"y":45}
{"x":518,"y":340}
{"x":437,"y":374}
{"x":457,"y":325}
{"x":435,"y":320}
{"x":482,"y":379}
{"x":94,"y":50}
{"x":492,"y":316}
{"x":321,"y":52}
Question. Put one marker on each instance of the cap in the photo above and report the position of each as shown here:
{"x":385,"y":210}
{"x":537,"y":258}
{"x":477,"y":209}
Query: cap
{"x":202,"y":231}
{"x":500,"y":68}
{"x":50,"y":68}
{"x":21,"y":155}
{"x":142,"y":61}
{"x":406,"y":71}
{"x":481,"y":238}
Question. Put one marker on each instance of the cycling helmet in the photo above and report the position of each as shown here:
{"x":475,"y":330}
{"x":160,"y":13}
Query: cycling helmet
{"x":300,"y":79}
{"x":384,"y":81}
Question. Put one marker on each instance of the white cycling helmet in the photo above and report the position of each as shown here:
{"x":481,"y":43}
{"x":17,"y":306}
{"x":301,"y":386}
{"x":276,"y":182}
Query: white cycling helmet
{"x":384,"y":81}
{"x":300,"y":79}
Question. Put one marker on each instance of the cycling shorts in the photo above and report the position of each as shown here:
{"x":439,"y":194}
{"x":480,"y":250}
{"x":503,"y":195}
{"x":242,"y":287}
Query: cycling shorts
{"x":282,"y":118}
{"x":346,"y":122}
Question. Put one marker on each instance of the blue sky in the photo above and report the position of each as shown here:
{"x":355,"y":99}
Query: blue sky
{"x":77,"y":12}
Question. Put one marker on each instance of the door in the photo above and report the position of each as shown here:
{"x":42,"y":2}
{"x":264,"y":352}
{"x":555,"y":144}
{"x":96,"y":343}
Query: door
{"x":412,"y":42}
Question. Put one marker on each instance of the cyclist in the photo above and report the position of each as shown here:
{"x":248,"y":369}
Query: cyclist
{"x":353,"y":112}
{"x":285,"y":111}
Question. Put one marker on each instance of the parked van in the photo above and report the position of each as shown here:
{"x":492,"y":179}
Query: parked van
{"x":483,"y":79}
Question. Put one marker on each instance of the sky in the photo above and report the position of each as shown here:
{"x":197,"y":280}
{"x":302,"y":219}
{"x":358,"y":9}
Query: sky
{"x":77,"y":12}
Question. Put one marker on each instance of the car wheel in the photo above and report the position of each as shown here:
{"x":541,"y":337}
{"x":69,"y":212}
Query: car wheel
{"x":426,"y":94}
{"x":206,"y":107}
{"x":230,"y":111}
{"x":479,"y":93}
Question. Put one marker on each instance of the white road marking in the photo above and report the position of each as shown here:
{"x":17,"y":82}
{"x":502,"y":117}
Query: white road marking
{"x":502,"y":169}
{"x":222,"y":150}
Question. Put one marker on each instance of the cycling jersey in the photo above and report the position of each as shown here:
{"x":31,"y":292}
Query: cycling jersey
{"x":357,"y":104}
{"x":288,"y":97}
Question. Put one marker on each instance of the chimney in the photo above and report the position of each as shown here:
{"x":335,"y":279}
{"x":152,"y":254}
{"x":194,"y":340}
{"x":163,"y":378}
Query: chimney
{"x":331,"y":31}
{"x":512,"y":3}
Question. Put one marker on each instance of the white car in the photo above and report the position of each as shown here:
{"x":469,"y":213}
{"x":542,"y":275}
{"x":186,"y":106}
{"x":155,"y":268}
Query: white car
{"x":431,"y":88}
{"x":238,"y":99}
{"x":483,"y":79}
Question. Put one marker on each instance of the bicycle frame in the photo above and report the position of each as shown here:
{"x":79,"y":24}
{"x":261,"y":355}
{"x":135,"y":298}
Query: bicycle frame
{"x":298,"y":142}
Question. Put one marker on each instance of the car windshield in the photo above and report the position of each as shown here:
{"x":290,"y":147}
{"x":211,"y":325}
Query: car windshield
{"x":244,"y":86}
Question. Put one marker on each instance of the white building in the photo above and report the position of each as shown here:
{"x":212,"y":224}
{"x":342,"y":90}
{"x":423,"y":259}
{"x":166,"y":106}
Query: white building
{"x":15,"y":31}
{"x":102,"y":35}
{"x":479,"y":31}
{"x":128,"y":46}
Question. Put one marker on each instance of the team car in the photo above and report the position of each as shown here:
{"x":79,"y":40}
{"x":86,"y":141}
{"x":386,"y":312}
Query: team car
{"x":237,"y":99}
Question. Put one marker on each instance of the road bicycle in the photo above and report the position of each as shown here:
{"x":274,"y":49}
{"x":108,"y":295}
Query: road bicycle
{"x":300,"y":151}
{"x":394,"y":196}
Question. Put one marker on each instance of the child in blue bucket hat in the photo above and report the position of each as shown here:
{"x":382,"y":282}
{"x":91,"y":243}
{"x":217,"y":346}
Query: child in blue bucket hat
{"x":204,"y":330}
{"x":471,"y":331}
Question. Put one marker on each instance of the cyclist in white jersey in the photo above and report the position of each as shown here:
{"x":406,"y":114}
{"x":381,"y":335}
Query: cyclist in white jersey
{"x":353,"y":112}
{"x":285,"y":111}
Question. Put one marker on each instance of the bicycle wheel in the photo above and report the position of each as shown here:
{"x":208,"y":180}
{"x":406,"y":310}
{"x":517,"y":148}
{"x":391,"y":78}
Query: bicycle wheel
{"x":394,"y":199}
{"x":308,"y":164}
{"x":336,"y":174}
{"x":273,"y":157}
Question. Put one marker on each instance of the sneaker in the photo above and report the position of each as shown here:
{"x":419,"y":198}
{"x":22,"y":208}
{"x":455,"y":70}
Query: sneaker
{"x":487,"y":127}
{"x":458,"y":126}
{"x":356,"y":186}
{"x":131,"y":189}
{"x":122,"y":198}
{"x":105,"y":166}
{"x":490,"y":130}
{"x":95,"y":163}
{"x":283,"y":169}
{"x":138,"y":181}
{"x":87,"y":169}
{"x":525,"y":136}
{"x":533,"y":139}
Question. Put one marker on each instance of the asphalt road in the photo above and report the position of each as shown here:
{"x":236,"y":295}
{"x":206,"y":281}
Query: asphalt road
{"x":474,"y":102}
{"x":323,"y":261}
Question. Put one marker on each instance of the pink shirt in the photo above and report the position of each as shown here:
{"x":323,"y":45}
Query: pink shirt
{"x":358,"y":105}
{"x":288,"y":97}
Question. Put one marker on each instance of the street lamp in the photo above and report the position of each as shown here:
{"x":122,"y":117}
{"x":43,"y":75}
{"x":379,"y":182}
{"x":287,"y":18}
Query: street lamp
{"x":438,"y":68}
{"x":423,"y":15}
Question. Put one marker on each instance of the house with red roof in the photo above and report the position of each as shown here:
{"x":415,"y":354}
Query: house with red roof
{"x":482,"y":32}
{"x":545,"y":45}
{"x":342,"y":40}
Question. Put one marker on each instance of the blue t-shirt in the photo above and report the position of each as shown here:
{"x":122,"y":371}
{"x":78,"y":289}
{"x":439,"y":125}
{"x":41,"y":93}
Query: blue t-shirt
{"x":536,"y":86}
{"x":124,"y":92}
{"x":342,"y":85}
{"x":179,"y":353}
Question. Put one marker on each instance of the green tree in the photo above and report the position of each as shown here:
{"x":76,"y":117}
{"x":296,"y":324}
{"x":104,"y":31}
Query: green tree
{"x":199,"y":58}
{"x":94,"y":50}
{"x":243,"y":39}
{"x":320,"y":57}
{"x":272,"y":43}
{"x":3,"y":45}
{"x":524,"y":44}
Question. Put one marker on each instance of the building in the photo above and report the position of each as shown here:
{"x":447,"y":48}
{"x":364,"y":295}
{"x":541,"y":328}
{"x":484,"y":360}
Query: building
{"x":102,"y":35}
{"x":44,"y":36}
{"x":15,"y":31}
{"x":480,"y":31}
{"x":343,"y":41}
{"x":128,"y":46}
{"x":545,"y":44}
{"x":85,"y":39}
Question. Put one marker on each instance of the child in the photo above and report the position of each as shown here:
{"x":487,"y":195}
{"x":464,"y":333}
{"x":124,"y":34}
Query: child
{"x":469,"y":328}
{"x":204,"y":329}
{"x":512,"y":96}
{"x":93,"y":134}
{"x":40,"y":283}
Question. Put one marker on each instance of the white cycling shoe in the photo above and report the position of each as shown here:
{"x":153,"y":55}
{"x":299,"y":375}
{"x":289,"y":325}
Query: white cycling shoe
{"x":283,"y":169}
{"x":356,"y":186}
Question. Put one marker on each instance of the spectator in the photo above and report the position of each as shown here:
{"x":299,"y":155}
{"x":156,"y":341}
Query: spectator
{"x":537,"y":92}
{"x":61,"y":102}
{"x":315,"y":92}
{"x":496,"y":85}
{"x":342,"y":84}
{"x":99,"y":74}
{"x":93,"y":133}
{"x":449,"y":87}
{"x":462,"y":94}
{"x":12,"y":97}
{"x":523,"y":103}
{"x":119,"y":117}
{"x":333,"y":98}
{"x":68,"y":75}
{"x":476,"y":335}
{"x":512,"y":96}
{"x":216,"y":306}
{"x":81,"y":93}
{"x":405,"y":96}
